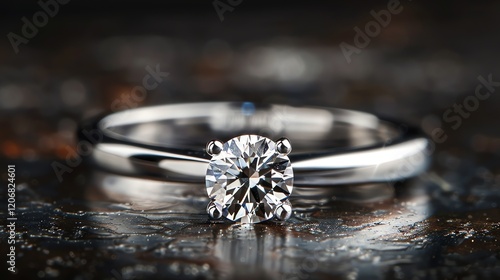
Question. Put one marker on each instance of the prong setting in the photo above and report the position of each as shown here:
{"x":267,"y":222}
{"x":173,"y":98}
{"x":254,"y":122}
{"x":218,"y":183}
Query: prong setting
{"x":214,"y":210}
{"x":233,"y":174}
{"x":283,"y":146}
{"x":283,"y":211}
{"x":214,"y":147}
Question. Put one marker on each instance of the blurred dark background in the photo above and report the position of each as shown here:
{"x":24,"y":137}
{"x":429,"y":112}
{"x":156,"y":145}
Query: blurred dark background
{"x":424,"y":66}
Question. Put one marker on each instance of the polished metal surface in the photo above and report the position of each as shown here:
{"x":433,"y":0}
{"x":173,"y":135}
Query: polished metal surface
{"x":330,"y":146}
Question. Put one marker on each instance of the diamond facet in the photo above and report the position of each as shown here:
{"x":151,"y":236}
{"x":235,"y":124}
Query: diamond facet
{"x":250,"y":178}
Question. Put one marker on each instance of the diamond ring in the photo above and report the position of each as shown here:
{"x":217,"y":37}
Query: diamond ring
{"x":251,"y":175}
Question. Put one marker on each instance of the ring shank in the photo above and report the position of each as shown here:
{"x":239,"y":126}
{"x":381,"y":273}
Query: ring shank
{"x":330,"y":146}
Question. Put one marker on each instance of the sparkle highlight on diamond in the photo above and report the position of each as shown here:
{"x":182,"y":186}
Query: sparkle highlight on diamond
{"x":249,"y":178}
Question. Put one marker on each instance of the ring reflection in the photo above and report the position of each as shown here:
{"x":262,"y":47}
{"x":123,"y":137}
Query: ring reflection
{"x":167,"y":224}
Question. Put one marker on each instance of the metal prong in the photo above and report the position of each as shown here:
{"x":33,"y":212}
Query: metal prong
{"x":214,"y":147}
{"x":214,"y":210}
{"x":283,"y":146}
{"x":283,"y":211}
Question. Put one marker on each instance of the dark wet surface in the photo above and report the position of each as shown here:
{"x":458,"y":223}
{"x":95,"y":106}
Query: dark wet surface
{"x":424,"y":231}
{"x":445,"y":224}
